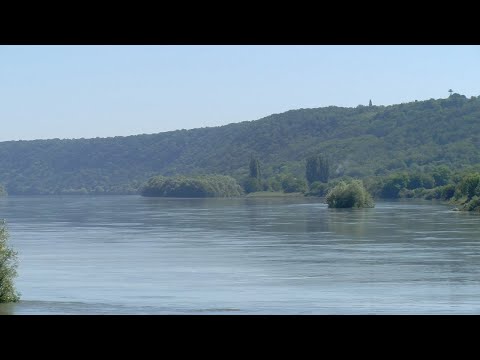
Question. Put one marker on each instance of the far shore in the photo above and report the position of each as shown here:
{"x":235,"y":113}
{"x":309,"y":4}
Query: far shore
{"x":269,"y":194}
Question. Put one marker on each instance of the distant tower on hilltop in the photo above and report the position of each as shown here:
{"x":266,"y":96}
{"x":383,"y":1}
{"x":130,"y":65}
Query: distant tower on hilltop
{"x":450,"y":91}
{"x":370,"y":102}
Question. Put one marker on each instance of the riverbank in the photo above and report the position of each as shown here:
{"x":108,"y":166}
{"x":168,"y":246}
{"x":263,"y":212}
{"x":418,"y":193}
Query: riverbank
{"x":276,"y":194}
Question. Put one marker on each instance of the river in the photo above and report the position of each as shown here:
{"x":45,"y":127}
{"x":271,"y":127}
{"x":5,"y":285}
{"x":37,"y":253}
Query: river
{"x":135,"y":255}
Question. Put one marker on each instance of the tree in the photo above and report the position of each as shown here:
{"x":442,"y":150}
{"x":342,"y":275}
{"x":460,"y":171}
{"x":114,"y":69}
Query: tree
{"x":198,"y":186}
{"x":469,"y":186}
{"x":253,"y":182}
{"x":441,"y":175}
{"x":291,"y":184}
{"x":393,"y":184}
{"x":370,"y":102}
{"x":324,"y":170}
{"x":317,"y":169}
{"x":8,"y":265}
{"x":255,"y":168}
{"x":311,"y":169}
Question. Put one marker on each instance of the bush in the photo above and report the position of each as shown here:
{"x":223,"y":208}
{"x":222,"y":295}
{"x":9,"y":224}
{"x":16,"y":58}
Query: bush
{"x":469,"y":186}
{"x":473,"y":204}
{"x":8,"y":265}
{"x":447,"y":191}
{"x":349,"y":195}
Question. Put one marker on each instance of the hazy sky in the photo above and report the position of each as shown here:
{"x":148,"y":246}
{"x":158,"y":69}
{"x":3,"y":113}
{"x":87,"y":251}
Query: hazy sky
{"x":90,"y":91}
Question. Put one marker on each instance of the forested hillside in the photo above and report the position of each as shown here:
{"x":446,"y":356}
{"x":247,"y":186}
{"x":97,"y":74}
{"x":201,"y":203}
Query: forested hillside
{"x":359,"y":142}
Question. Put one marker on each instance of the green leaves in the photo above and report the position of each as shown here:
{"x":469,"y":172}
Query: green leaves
{"x":8,"y":266}
{"x":359,"y":142}
{"x":349,"y":195}
{"x":191,"y":187}
{"x":317,"y":168}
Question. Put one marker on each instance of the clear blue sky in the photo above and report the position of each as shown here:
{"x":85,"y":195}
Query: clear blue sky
{"x":90,"y":91}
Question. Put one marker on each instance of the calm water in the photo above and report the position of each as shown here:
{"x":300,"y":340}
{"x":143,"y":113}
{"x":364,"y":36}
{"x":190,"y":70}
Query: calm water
{"x":134,"y":255}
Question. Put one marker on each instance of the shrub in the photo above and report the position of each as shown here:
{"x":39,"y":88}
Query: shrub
{"x":473,"y":204}
{"x":468,"y":186}
{"x":8,"y":265}
{"x":349,"y":195}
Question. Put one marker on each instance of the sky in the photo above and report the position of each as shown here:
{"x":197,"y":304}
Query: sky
{"x":83,"y":91}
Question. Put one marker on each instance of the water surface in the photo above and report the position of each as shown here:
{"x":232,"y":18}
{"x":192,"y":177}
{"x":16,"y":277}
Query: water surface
{"x":135,"y":255}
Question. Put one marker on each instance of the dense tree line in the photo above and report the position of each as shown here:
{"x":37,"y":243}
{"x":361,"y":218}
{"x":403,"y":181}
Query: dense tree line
{"x":191,"y":187}
{"x":361,"y":142}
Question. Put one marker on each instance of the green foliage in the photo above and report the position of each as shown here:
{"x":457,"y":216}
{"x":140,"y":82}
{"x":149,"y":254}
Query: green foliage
{"x":469,"y":186}
{"x":473,"y":204}
{"x":444,"y":192}
{"x":254,"y":168}
{"x":317,"y":168}
{"x":393,"y":184}
{"x":360,"y":142}
{"x":292,"y":184}
{"x":447,"y":191}
{"x":191,"y":187}
{"x":252,"y":184}
{"x":274,"y":183}
{"x":349,"y":195}
{"x":420,"y":180}
{"x":318,"y":189}
{"x":8,"y":265}
{"x":441,"y":174}
{"x":467,"y":192}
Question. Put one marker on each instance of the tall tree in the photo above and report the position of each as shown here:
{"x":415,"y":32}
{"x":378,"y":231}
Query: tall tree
{"x":324,"y":169}
{"x":311,"y":169}
{"x":255,"y":168}
{"x":253,"y":183}
{"x":317,"y":169}
{"x":370,"y":102}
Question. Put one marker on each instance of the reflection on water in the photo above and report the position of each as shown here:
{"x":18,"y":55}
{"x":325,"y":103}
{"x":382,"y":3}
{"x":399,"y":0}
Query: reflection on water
{"x":134,"y":255}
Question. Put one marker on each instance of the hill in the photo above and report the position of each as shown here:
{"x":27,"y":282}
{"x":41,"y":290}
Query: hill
{"x":361,"y":141}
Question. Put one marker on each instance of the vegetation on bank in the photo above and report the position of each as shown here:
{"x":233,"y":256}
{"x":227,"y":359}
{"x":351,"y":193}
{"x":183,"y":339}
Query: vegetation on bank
{"x":191,"y":187}
{"x":349,"y":195}
{"x":273,"y":194}
{"x":3,"y":192}
{"x":8,"y":266}
{"x":361,"y":142}
{"x":427,"y":149}
{"x":467,"y":194}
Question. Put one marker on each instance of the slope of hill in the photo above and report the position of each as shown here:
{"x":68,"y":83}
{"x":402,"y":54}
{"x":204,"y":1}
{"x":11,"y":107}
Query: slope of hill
{"x":360,"y":141}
